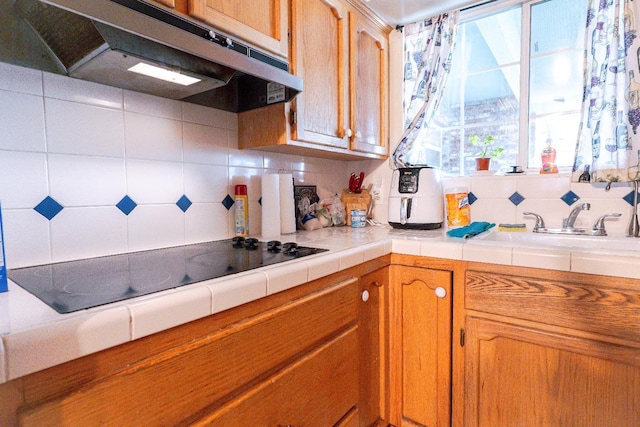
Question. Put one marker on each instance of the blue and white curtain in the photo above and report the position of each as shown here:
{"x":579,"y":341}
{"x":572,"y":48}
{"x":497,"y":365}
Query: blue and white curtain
{"x":429,"y":48}
{"x":608,"y":142}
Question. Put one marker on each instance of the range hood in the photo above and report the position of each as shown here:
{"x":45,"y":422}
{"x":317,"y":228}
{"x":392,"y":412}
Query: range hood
{"x":101,"y":40}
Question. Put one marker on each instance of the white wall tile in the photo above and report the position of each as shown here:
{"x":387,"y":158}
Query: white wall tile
{"x":22,"y":122}
{"x":3,"y":364}
{"x":245,"y":158}
{"x":88,"y":232}
{"x":493,"y":188}
{"x":205,"y":144}
{"x":143,"y":103}
{"x":23,"y":179}
{"x":205,"y":222}
{"x":61,"y":87}
{"x":193,"y":113}
{"x":152,"y":138}
{"x":154,"y":182}
{"x":20,"y":79}
{"x":251,"y":177}
{"x":205,"y":183}
{"x":155,"y":226}
{"x":543,"y":187}
{"x":494,"y":210}
{"x":74,"y":128}
{"x":86,"y":180}
{"x":26,"y":238}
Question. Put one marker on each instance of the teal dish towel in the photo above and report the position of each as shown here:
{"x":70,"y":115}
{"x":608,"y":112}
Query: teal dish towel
{"x":470,"y":230}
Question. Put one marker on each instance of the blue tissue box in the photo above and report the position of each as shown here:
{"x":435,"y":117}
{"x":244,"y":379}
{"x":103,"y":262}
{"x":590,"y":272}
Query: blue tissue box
{"x":4,"y":286}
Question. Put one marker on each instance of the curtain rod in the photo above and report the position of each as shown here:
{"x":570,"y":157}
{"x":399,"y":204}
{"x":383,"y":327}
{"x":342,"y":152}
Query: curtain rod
{"x":464,"y":9}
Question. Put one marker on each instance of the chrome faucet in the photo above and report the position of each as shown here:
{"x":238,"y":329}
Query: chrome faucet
{"x":540,"y":226}
{"x":571,"y":220}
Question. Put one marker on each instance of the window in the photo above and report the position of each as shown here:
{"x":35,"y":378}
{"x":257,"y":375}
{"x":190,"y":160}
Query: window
{"x":516,"y":74}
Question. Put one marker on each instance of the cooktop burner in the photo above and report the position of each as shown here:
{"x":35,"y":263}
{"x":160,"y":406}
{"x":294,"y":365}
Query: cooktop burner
{"x":76,"y":285}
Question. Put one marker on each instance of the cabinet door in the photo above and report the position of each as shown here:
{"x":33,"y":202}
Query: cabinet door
{"x":317,"y":390}
{"x":373,"y":332}
{"x":517,"y":376}
{"x":263,"y":23}
{"x":319,"y":56}
{"x":422,"y":311}
{"x":368,"y":87}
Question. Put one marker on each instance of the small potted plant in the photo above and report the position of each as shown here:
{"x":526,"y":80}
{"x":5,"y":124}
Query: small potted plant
{"x":487,"y":151}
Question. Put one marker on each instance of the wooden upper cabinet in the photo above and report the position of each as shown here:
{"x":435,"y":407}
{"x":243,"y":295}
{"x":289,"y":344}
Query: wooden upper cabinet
{"x":319,"y":55}
{"x":341,"y":56}
{"x":263,"y":23}
{"x":368,"y":87}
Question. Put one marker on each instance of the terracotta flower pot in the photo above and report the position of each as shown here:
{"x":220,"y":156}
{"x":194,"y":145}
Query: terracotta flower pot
{"x":482,"y":163}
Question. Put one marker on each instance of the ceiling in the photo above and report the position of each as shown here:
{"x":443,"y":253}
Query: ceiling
{"x":400,"y":12}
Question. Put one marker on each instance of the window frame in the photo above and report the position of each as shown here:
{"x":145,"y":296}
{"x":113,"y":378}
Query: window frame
{"x":476,"y":12}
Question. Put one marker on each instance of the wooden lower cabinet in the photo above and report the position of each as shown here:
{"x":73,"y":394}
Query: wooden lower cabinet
{"x":290,"y":359}
{"x":373,"y":325}
{"x":551,"y":349}
{"x":420,"y":349}
{"x":317,"y":390}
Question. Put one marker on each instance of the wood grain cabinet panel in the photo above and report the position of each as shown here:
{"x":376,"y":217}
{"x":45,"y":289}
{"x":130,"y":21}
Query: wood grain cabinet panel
{"x":166,"y":388}
{"x":368,"y":87}
{"x":549,"y":348}
{"x":517,"y":376}
{"x":420,"y":355}
{"x":264,"y":23}
{"x":317,"y":390}
{"x":342,"y":58}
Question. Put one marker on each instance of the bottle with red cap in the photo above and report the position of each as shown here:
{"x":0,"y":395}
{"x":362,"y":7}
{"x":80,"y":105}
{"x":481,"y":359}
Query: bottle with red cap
{"x":241,"y":204}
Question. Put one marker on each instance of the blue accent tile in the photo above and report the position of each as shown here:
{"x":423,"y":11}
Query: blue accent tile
{"x":629,"y":198}
{"x":472,"y":198}
{"x":48,"y":208}
{"x":184,"y":203}
{"x":228,"y":202}
{"x":126,"y":205}
{"x":516,"y":198}
{"x":570,"y":198}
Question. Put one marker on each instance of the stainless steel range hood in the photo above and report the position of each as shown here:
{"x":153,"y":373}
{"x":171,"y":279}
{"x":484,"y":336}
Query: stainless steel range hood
{"x":100,"y":40}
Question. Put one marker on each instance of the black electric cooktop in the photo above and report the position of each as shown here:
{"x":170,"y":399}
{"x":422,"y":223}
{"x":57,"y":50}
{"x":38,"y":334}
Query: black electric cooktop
{"x":76,"y":285}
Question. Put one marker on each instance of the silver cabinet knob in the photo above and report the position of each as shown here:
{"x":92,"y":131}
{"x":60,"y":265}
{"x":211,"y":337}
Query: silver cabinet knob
{"x":349,"y":133}
{"x":441,"y":292}
{"x":365,"y":295}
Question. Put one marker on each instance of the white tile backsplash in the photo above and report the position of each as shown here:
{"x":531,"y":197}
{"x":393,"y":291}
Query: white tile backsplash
{"x":27,"y":169}
{"x":137,"y":102}
{"x":18,"y":79}
{"x":81,"y":91}
{"x":22,"y":122}
{"x":151,"y":181}
{"x":171,"y":148}
{"x":74,"y":128}
{"x":86,"y":180}
{"x":155,"y":226}
{"x":152,"y":138}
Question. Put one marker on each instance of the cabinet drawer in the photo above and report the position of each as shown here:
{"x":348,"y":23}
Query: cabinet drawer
{"x":317,"y":390}
{"x":589,"y":307}
{"x":170,"y":386}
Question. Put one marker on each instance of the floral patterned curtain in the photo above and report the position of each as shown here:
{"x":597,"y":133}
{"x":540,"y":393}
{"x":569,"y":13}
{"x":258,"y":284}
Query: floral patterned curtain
{"x":428,"y":48}
{"x":608,"y":141}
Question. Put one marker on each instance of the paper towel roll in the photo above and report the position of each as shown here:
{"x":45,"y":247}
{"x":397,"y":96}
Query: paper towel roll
{"x":270,"y":206}
{"x":287,"y":205}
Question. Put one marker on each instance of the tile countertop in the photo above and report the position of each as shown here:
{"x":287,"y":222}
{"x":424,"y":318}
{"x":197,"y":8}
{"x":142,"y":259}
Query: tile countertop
{"x":35,"y":337}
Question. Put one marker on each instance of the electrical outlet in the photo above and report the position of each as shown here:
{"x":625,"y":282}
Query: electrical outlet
{"x":376,"y":192}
